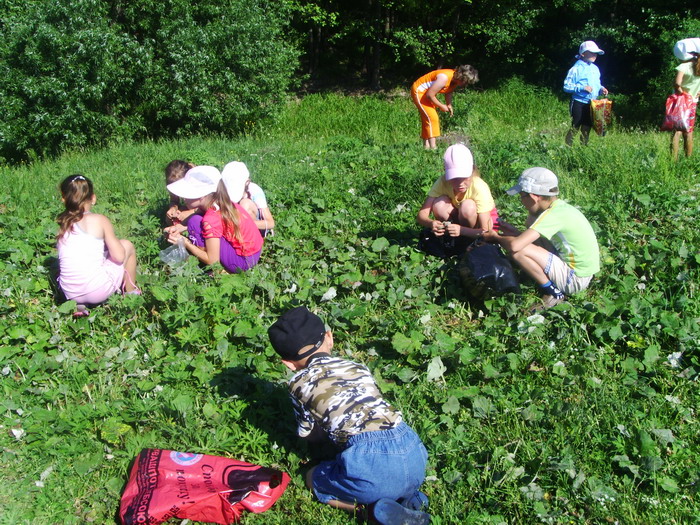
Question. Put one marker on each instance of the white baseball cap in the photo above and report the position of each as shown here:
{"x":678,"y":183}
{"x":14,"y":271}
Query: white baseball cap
{"x":591,"y":46}
{"x":539,"y":181}
{"x":459,"y":162}
{"x":687,"y":48}
{"x":235,"y":175}
{"x":197,"y":182}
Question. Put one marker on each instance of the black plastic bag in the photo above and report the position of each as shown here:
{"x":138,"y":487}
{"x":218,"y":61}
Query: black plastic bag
{"x":485,"y":270}
{"x":443,"y":247}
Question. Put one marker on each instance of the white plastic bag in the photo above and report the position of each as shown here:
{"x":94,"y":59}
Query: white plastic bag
{"x":175,"y":254}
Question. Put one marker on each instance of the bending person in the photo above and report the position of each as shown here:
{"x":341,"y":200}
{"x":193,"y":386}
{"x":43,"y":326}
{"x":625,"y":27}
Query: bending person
{"x":424,"y":95}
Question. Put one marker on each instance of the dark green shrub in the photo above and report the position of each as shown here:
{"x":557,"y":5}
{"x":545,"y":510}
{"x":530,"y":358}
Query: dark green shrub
{"x":76,"y":73}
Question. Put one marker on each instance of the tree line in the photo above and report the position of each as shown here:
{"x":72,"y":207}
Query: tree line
{"x":78,"y":73}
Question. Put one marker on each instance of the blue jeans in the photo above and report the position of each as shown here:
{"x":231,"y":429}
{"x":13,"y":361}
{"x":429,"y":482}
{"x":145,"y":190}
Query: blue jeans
{"x":375,"y":465}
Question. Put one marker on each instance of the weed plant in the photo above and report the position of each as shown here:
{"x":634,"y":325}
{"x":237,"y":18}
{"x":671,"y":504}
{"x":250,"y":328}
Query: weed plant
{"x":586,"y":413}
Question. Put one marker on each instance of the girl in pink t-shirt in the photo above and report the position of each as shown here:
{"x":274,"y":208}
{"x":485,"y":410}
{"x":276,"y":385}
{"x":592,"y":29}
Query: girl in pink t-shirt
{"x":225,"y":232}
{"x":93,"y":262}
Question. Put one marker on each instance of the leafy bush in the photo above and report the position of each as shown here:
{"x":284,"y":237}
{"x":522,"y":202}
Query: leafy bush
{"x":84,"y":72}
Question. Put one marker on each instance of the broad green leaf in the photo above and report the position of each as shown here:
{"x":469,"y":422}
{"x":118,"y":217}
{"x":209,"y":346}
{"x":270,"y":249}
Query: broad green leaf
{"x":490,"y":371}
{"x":162,"y":294}
{"x":651,"y":355}
{"x":559,"y":369}
{"x":380,"y":244}
{"x":436,"y":369}
{"x":663,"y":435}
{"x":615,"y":332}
{"x":403,"y":344}
{"x":482,"y":407}
{"x":87,"y":463}
{"x":451,"y":406}
{"x":68,"y":307}
{"x":668,"y":484}
{"x":112,"y":430}
{"x":406,"y":375}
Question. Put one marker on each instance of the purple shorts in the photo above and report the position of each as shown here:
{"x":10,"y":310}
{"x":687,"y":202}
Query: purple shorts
{"x":230,"y":260}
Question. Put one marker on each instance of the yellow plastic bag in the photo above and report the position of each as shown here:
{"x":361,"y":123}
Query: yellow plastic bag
{"x":601,"y":115}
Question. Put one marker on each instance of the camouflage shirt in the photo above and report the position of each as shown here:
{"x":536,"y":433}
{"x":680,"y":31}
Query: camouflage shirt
{"x":340,"y":396}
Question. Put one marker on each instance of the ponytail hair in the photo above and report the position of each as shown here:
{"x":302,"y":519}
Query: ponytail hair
{"x":229,"y":214}
{"x":77,"y":192}
{"x":696,"y":64}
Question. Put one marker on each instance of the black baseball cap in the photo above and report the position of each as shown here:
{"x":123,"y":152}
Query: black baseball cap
{"x":295,"y":330}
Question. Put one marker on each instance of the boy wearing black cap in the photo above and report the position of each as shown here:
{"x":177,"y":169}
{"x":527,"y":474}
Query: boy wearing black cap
{"x":382,"y":461}
{"x":571,"y":269}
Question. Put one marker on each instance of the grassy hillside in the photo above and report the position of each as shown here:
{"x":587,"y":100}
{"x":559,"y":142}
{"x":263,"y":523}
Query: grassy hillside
{"x":585,"y":414}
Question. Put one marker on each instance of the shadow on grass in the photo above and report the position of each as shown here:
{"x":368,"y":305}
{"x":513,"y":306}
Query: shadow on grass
{"x":52,"y":269}
{"x":269,"y":410}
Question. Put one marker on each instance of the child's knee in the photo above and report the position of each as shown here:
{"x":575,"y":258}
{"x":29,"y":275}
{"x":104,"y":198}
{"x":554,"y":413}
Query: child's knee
{"x":128,"y":247}
{"x":467,"y":209}
{"x":310,"y":478}
{"x":442,"y":208}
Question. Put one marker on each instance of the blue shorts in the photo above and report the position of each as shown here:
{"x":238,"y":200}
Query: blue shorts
{"x":375,"y":465}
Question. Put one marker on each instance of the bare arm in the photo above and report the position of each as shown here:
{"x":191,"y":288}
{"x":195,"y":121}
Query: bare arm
{"x":210,"y":254}
{"x":484,"y":221}
{"x":424,"y":219}
{"x":513,"y":243}
{"x":267,"y":222}
{"x":116,"y":250}
{"x":678,"y":83}
{"x":434,"y":89}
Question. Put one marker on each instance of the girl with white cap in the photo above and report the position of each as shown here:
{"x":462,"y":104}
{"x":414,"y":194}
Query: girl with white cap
{"x":687,"y":81}
{"x":459,"y":196}
{"x":224,"y":232}
{"x":245,"y":192}
{"x":583,"y":82}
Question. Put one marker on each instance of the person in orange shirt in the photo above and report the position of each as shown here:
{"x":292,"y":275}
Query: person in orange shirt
{"x":424,"y":91}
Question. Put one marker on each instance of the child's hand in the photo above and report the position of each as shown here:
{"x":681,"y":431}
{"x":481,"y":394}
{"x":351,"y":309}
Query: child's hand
{"x":604,"y":91}
{"x":588,"y":88}
{"x":173,"y":212}
{"x":449,"y":109}
{"x":490,"y":236}
{"x":438,"y":228}
{"x":175,"y":228}
{"x":184,"y":214}
{"x":454,"y":230}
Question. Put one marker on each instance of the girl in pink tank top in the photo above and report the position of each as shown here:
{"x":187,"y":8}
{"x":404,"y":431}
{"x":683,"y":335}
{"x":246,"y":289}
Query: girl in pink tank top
{"x":93,"y":262}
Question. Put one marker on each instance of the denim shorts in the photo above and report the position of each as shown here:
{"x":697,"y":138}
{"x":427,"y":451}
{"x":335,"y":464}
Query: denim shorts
{"x":381,"y":464}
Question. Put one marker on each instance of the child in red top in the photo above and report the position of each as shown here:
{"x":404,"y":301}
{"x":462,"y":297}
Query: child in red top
{"x":225,"y":232}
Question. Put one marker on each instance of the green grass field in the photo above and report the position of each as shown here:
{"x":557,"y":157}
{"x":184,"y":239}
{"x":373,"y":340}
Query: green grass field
{"x":585,"y":414}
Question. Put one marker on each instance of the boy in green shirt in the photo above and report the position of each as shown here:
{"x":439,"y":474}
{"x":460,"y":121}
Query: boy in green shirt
{"x":577,"y":259}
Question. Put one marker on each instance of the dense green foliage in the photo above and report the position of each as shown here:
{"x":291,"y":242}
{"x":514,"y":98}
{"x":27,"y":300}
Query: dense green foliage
{"x":388,"y":42}
{"x":87,"y":72}
{"x":76,"y":73}
{"x":586,"y":414}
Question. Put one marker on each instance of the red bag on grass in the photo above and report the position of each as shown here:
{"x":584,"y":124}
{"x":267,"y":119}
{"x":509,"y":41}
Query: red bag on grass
{"x":166,"y":484}
{"x":680,"y":113}
{"x":601,"y":115}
